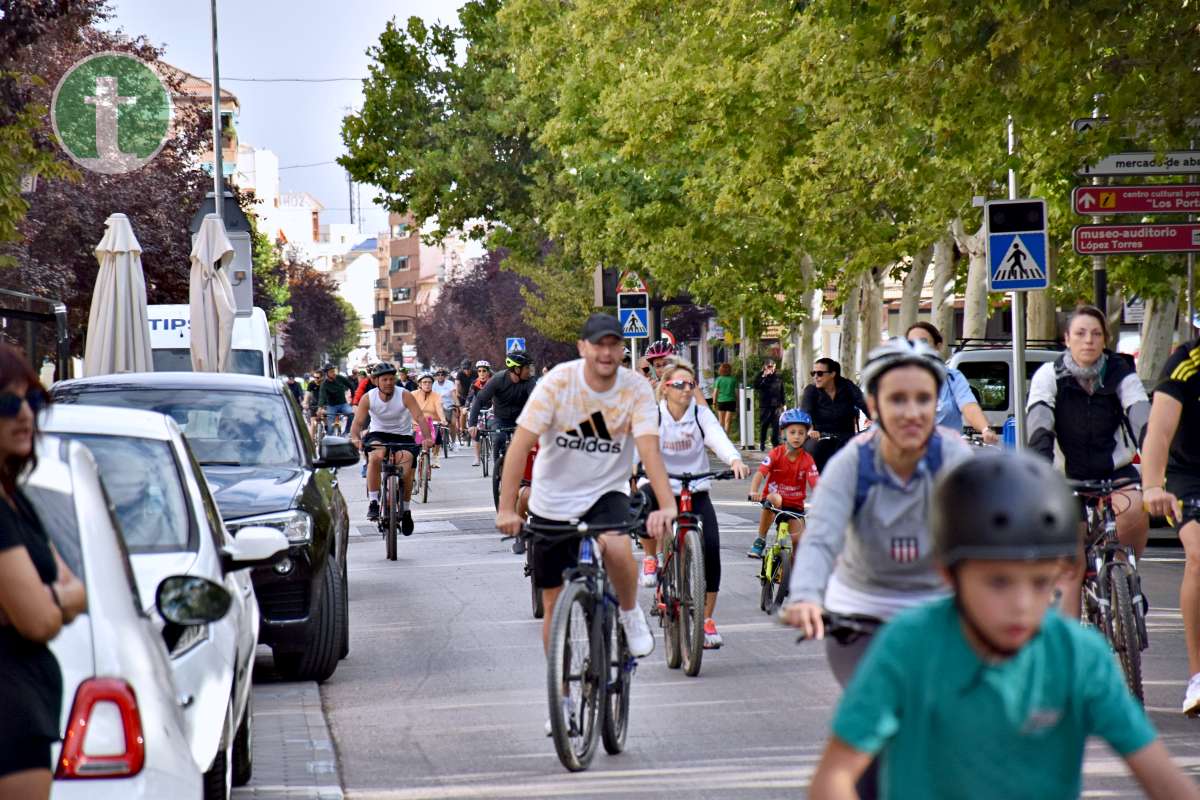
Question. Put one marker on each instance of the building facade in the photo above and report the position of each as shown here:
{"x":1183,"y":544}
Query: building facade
{"x":396,"y":290}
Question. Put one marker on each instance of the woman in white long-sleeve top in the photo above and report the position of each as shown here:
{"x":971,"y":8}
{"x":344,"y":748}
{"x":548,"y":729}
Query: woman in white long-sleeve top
{"x":686,"y":430}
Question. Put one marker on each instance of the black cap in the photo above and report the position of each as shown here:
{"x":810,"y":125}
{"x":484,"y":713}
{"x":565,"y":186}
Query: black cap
{"x":599,"y":325}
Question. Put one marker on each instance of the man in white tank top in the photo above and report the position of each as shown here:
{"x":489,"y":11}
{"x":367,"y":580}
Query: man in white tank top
{"x":391,"y":410}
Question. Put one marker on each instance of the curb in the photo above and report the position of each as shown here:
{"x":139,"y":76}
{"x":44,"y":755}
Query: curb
{"x":294,"y":757}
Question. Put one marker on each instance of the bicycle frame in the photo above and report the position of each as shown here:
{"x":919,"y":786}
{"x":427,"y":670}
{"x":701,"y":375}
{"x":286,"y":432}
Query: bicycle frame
{"x":686,"y":520}
{"x":1102,"y":555}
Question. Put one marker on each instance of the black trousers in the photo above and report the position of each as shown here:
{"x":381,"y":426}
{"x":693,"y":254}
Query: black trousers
{"x":768,"y":418}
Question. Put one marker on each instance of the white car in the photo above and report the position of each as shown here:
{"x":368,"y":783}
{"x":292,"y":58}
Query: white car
{"x":172,"y":526}
{"x":122,"y":723}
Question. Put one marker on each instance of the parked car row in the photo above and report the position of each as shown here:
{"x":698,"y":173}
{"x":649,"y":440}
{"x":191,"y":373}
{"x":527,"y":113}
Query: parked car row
{"x":202,"y":522}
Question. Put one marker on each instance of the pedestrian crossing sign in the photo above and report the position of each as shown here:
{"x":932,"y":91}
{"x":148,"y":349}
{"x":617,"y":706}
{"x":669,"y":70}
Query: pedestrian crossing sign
{"x":1017,"y":245}
{"x":635,"y":322}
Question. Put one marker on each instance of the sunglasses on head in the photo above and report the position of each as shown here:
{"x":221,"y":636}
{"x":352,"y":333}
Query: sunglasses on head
{"x":683,"y":385}
{"x":10,"y":403}
{"x":818,"y":372}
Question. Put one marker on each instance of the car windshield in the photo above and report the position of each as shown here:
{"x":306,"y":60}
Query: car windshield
{"x":251,"y":429}
{"x":143,"y":481}
{"x":179,"y":359}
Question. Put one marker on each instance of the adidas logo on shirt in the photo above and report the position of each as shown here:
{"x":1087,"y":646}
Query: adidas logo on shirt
{"x":591,"y":436}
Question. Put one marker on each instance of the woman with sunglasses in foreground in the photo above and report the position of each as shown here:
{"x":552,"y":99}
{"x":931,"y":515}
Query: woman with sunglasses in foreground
{"x":38,"y":596}
{"x":685,"y":429}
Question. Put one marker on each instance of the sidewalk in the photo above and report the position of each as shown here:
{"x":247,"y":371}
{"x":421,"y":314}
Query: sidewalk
{"x":293,"y":749}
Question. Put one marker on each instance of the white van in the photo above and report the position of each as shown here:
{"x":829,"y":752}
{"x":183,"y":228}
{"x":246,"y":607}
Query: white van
{"x":171,"y":337}
{"x":988,"y":368}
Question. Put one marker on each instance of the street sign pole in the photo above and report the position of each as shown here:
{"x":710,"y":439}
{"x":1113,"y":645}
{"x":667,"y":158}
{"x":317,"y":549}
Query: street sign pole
{"x":1018,"y":319}
{"x":1099,"y":263}
{"x":1191,"y":271}
{"x":218,"y":168}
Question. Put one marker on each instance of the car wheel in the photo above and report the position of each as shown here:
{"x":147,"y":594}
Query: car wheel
{"x":344,"y":622}
{"x":319,"y":659}
{"x":243,"y":747}
{"x":218,"y":780}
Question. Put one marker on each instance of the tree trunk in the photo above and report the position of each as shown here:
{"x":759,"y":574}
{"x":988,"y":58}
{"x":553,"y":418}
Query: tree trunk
{"x":872,"y":312}
{"x":975,"y":303}
{"x":942,"y":308}
{"x":913,"y":288}
{"x":848,"y":350}
{"x":809,"y":328}
{"x":1116,"y":313}
{"x":1040,"y":320}
{"x":1158,"y":327}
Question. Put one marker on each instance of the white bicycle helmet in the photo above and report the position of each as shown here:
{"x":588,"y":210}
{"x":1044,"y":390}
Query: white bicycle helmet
{"x":483,"y":363}
{"x":901,"y":353}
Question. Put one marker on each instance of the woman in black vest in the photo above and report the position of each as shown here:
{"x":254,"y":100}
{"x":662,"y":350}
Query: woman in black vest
{"x":38,"y":596}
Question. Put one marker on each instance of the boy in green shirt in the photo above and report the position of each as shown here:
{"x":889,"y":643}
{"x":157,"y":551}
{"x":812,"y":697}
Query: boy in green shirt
{"x":990,"y":694}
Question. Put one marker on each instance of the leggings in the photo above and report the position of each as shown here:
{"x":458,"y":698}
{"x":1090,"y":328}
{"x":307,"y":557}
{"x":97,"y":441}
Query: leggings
{"x":711,"y":545}
{"x":843,"y":659}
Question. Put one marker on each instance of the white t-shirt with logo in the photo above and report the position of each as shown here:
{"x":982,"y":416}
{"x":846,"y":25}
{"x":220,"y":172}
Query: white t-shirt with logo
{"x":585,"y":438}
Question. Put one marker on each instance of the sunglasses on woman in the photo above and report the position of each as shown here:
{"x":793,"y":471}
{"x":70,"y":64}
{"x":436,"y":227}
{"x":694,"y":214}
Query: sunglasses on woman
{"x":682,"y":385}
{"x":816,"y":373}
{"x":10,"y":403}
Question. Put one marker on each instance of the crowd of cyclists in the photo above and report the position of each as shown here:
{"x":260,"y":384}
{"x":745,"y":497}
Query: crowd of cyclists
{"x":906,"y":525}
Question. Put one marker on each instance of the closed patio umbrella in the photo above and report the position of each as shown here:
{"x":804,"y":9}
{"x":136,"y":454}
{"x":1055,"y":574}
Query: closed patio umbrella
{"x":211,"y":296}
{"x":118,"y":334}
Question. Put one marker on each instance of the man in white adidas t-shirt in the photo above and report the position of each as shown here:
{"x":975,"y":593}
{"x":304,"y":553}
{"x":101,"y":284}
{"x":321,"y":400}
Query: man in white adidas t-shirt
{"x":586,"y":416}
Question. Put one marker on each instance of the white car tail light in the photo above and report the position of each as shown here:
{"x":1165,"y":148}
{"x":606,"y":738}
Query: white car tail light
{"x":104,"y":732}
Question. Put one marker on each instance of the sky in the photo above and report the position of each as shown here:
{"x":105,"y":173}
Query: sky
{"x":299,"y":122}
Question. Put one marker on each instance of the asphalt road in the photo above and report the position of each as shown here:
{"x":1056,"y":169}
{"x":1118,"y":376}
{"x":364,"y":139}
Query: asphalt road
{"x":444,"y":692}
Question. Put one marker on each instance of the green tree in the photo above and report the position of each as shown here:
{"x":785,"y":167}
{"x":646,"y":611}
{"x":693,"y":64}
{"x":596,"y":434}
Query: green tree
{"x":341,"y":344}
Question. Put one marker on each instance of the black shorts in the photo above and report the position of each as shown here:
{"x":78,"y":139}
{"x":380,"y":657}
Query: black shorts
{"x":727,"y":405}
{"x":550,"y":560}
{"x":19,"y":753}
{"x":379,"y":437}
{"x":1185,"y":487}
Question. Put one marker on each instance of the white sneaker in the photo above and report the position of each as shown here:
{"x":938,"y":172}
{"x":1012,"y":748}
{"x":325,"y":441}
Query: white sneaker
{"x":637,"y":632}
{"x":1191,"y":699}
{"x":475,"y":463}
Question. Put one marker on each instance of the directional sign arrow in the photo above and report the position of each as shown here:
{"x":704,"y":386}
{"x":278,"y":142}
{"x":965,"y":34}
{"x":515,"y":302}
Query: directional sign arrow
{"x":1086,"y":200}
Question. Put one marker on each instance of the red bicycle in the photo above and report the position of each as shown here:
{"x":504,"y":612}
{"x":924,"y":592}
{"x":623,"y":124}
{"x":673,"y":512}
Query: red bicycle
{"x":681,"y":586}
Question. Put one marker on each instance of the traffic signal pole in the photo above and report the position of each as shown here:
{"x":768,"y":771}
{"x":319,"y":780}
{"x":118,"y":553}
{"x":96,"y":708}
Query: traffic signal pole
{"x":1018,"y":320}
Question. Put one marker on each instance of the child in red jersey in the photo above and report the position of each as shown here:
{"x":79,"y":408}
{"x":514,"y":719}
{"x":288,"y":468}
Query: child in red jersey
{"x":789,"y":472}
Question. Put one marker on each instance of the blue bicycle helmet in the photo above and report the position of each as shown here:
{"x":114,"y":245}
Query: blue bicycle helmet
{"x":795,"y":416}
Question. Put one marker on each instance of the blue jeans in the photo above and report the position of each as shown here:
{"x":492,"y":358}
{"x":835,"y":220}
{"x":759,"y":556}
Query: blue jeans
{"x":344,"y":409}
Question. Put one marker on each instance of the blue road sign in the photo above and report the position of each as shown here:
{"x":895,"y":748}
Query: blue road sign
{"x":1016,"y":245}
{"x":513,"y":343}
{"x":635,"y":322}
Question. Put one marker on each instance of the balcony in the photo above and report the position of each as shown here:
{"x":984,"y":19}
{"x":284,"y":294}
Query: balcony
{"x":381,"y":283}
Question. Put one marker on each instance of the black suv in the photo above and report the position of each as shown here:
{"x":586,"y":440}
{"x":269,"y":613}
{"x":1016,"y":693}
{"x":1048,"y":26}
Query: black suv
{"x":251,"y":441}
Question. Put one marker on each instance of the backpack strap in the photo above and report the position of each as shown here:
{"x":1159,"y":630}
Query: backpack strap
{"x":868,"y":475}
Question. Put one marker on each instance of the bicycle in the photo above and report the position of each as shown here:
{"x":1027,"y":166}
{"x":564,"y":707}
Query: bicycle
{"x":443,"y":436}
{"x":681,"y":584}
{"x":423,"y":474}
{"x":503,"y":438}
{"x":391,"y":494}
{"x":1113,"y":601}
{"x":776,"y":569}
{"x":589,"y":669}
{"x":485,"y":440}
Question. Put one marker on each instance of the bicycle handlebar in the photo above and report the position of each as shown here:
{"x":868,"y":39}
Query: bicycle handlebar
{"x":561,"y":531}
{"x":789,"y":512}
{"x":846,"y":624}
{"x":691,"y":477}
{"x":1102,"y":487}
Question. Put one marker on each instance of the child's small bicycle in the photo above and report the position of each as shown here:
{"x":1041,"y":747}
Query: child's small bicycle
{"x":776,"y":570}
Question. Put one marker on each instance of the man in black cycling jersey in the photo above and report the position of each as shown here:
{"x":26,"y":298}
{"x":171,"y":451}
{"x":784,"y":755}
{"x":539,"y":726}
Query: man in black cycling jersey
{"x":506,"y":393}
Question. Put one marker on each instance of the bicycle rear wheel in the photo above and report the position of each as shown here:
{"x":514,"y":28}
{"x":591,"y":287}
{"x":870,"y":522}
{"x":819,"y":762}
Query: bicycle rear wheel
{"x":1125,"y":639}
{"x":669,"y":592}
{"x":496,"y":473}
{"x":620,"y":679}
{"x":391,"y":487}
{"x":444,"y":436}
{"x":484,"y":452}
{"x":691,"y":604}
{"x":576,"y":673}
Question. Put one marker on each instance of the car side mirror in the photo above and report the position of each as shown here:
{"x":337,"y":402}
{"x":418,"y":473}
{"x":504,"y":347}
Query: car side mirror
{"x":336,"y":451}
{"x":254,"y":546}
{"x":191,"y":600}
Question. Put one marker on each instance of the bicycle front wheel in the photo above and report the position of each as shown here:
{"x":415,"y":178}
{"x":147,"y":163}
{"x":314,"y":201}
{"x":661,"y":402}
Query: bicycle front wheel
{"x":392,"y":524}
{"x":620,"y":679}
{"x":576,"y":673}
{"x":426,"y":474}
{"x":1125,"y":639}
{"x":484,"y":453}
{"x":766,"y":580}
{"x":691,"y":604}
{"x":785,"y":578}
{"x":499,"y":469}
